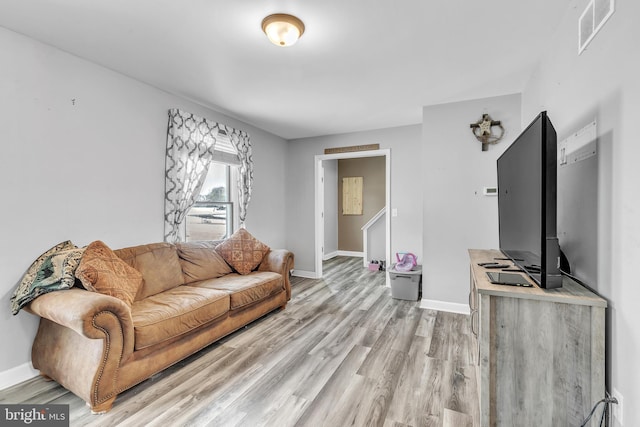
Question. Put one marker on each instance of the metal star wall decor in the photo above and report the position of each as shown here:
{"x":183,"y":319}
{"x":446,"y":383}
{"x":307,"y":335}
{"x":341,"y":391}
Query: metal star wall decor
{"x":483,"y":131}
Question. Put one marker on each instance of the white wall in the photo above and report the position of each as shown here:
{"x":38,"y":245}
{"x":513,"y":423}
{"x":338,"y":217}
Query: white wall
{"x":330,"y":207}
{"x":376,"y":240}
{"x":404,"y":142}
{"x":457,"y":216}
{"x":83,"y":159}
{"x":604,"y":84}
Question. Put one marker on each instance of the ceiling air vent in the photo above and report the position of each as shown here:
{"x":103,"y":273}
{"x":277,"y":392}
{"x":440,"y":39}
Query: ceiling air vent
{"x":592,"y":19}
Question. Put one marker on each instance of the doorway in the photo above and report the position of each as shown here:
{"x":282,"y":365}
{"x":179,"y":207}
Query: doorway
{"x":319,"y":200}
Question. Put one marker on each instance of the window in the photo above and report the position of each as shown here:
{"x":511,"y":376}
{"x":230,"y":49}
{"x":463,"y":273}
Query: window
{"x":212,"y":217}
{"x":193,"y":144}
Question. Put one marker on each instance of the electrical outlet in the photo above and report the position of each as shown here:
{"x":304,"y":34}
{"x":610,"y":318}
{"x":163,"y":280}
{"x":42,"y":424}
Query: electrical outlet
{"x":617,"y":409}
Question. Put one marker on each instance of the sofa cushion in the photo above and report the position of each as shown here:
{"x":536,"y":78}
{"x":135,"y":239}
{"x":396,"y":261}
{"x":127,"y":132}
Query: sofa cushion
{"x":159,"y":265}
{"x":53,"y":270}
{"x":242,"y":251}
{"x":245,"y":289}
{"x":200,"y":261}
{"x":174,"y":312}
{"x":101,"y":270}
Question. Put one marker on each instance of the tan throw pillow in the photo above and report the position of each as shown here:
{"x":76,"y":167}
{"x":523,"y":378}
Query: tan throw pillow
{"x":200,"y":261}
{"x":242,"y":251}
{"x":101,"y":270}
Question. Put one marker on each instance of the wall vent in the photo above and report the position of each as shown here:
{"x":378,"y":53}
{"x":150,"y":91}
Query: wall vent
{"x":592,"y":19}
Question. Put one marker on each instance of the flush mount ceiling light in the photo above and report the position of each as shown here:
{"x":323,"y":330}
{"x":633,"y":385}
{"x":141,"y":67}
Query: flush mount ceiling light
{"x":282,"y":29}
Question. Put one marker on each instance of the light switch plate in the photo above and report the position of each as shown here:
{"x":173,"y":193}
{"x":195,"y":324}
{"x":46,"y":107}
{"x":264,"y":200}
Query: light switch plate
{"x":490,"y":191}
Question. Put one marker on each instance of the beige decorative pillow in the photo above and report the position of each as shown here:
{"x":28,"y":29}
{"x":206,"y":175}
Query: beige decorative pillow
{"x":101,"y":270}
{"x":242,"y":251}
{"x":200,"y":261}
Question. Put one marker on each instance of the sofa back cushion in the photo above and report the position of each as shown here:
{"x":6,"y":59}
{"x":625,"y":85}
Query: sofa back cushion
{"x":159,"y":265}
{"x":200,"y":261}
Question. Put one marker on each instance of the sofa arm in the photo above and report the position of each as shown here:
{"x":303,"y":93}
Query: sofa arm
{"x":279,"y":261}
{"x":81,"y":311}
{"x":82,"y":340}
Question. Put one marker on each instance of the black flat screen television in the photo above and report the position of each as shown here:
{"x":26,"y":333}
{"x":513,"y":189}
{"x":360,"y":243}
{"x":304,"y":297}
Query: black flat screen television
{"x":527,"y":203}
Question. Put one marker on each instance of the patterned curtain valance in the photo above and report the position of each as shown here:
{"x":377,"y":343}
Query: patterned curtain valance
{"x":191,"y":142}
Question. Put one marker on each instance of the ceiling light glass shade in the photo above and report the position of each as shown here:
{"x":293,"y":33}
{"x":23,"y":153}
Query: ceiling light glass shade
{"x":282,"y":29}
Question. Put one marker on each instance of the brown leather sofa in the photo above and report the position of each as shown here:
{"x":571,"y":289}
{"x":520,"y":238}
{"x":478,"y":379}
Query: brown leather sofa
{"x":96,"y":346}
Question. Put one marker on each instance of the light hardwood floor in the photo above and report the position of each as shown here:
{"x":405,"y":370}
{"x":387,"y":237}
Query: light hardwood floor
{"x":343,"y":353}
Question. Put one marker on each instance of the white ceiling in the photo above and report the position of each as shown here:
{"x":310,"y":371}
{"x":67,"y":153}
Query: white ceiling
{"x":361,"y":64}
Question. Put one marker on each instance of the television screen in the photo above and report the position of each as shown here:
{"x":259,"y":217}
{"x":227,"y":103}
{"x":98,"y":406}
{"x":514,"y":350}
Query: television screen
{"x":527,"y":202}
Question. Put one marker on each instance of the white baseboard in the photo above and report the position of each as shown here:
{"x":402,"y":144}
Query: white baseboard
{"x":351,"y":253}
{"x":451,"y":307}
{"x":16,"y":375}
{"x":330,"y":255}
{"x":305,"y":274}
{"x":334,"y":254}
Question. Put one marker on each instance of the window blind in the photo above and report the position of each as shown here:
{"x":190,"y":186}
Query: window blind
{"x":224,"y":152}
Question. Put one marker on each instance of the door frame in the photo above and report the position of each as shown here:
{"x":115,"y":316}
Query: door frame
{"x":319,"y":200}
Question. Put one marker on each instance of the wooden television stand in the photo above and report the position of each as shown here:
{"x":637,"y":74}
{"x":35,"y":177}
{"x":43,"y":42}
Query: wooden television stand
{"x":540,"y":353}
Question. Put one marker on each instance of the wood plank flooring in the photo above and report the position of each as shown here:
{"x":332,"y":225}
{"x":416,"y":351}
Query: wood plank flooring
{"x":343,"y":353}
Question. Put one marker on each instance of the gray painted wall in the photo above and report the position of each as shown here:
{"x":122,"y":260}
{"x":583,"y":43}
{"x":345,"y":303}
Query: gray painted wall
{"x":406,"y":228}
{"x":457,"y":216}
{"x":83,"y":159}
{"x":603,"y":84}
